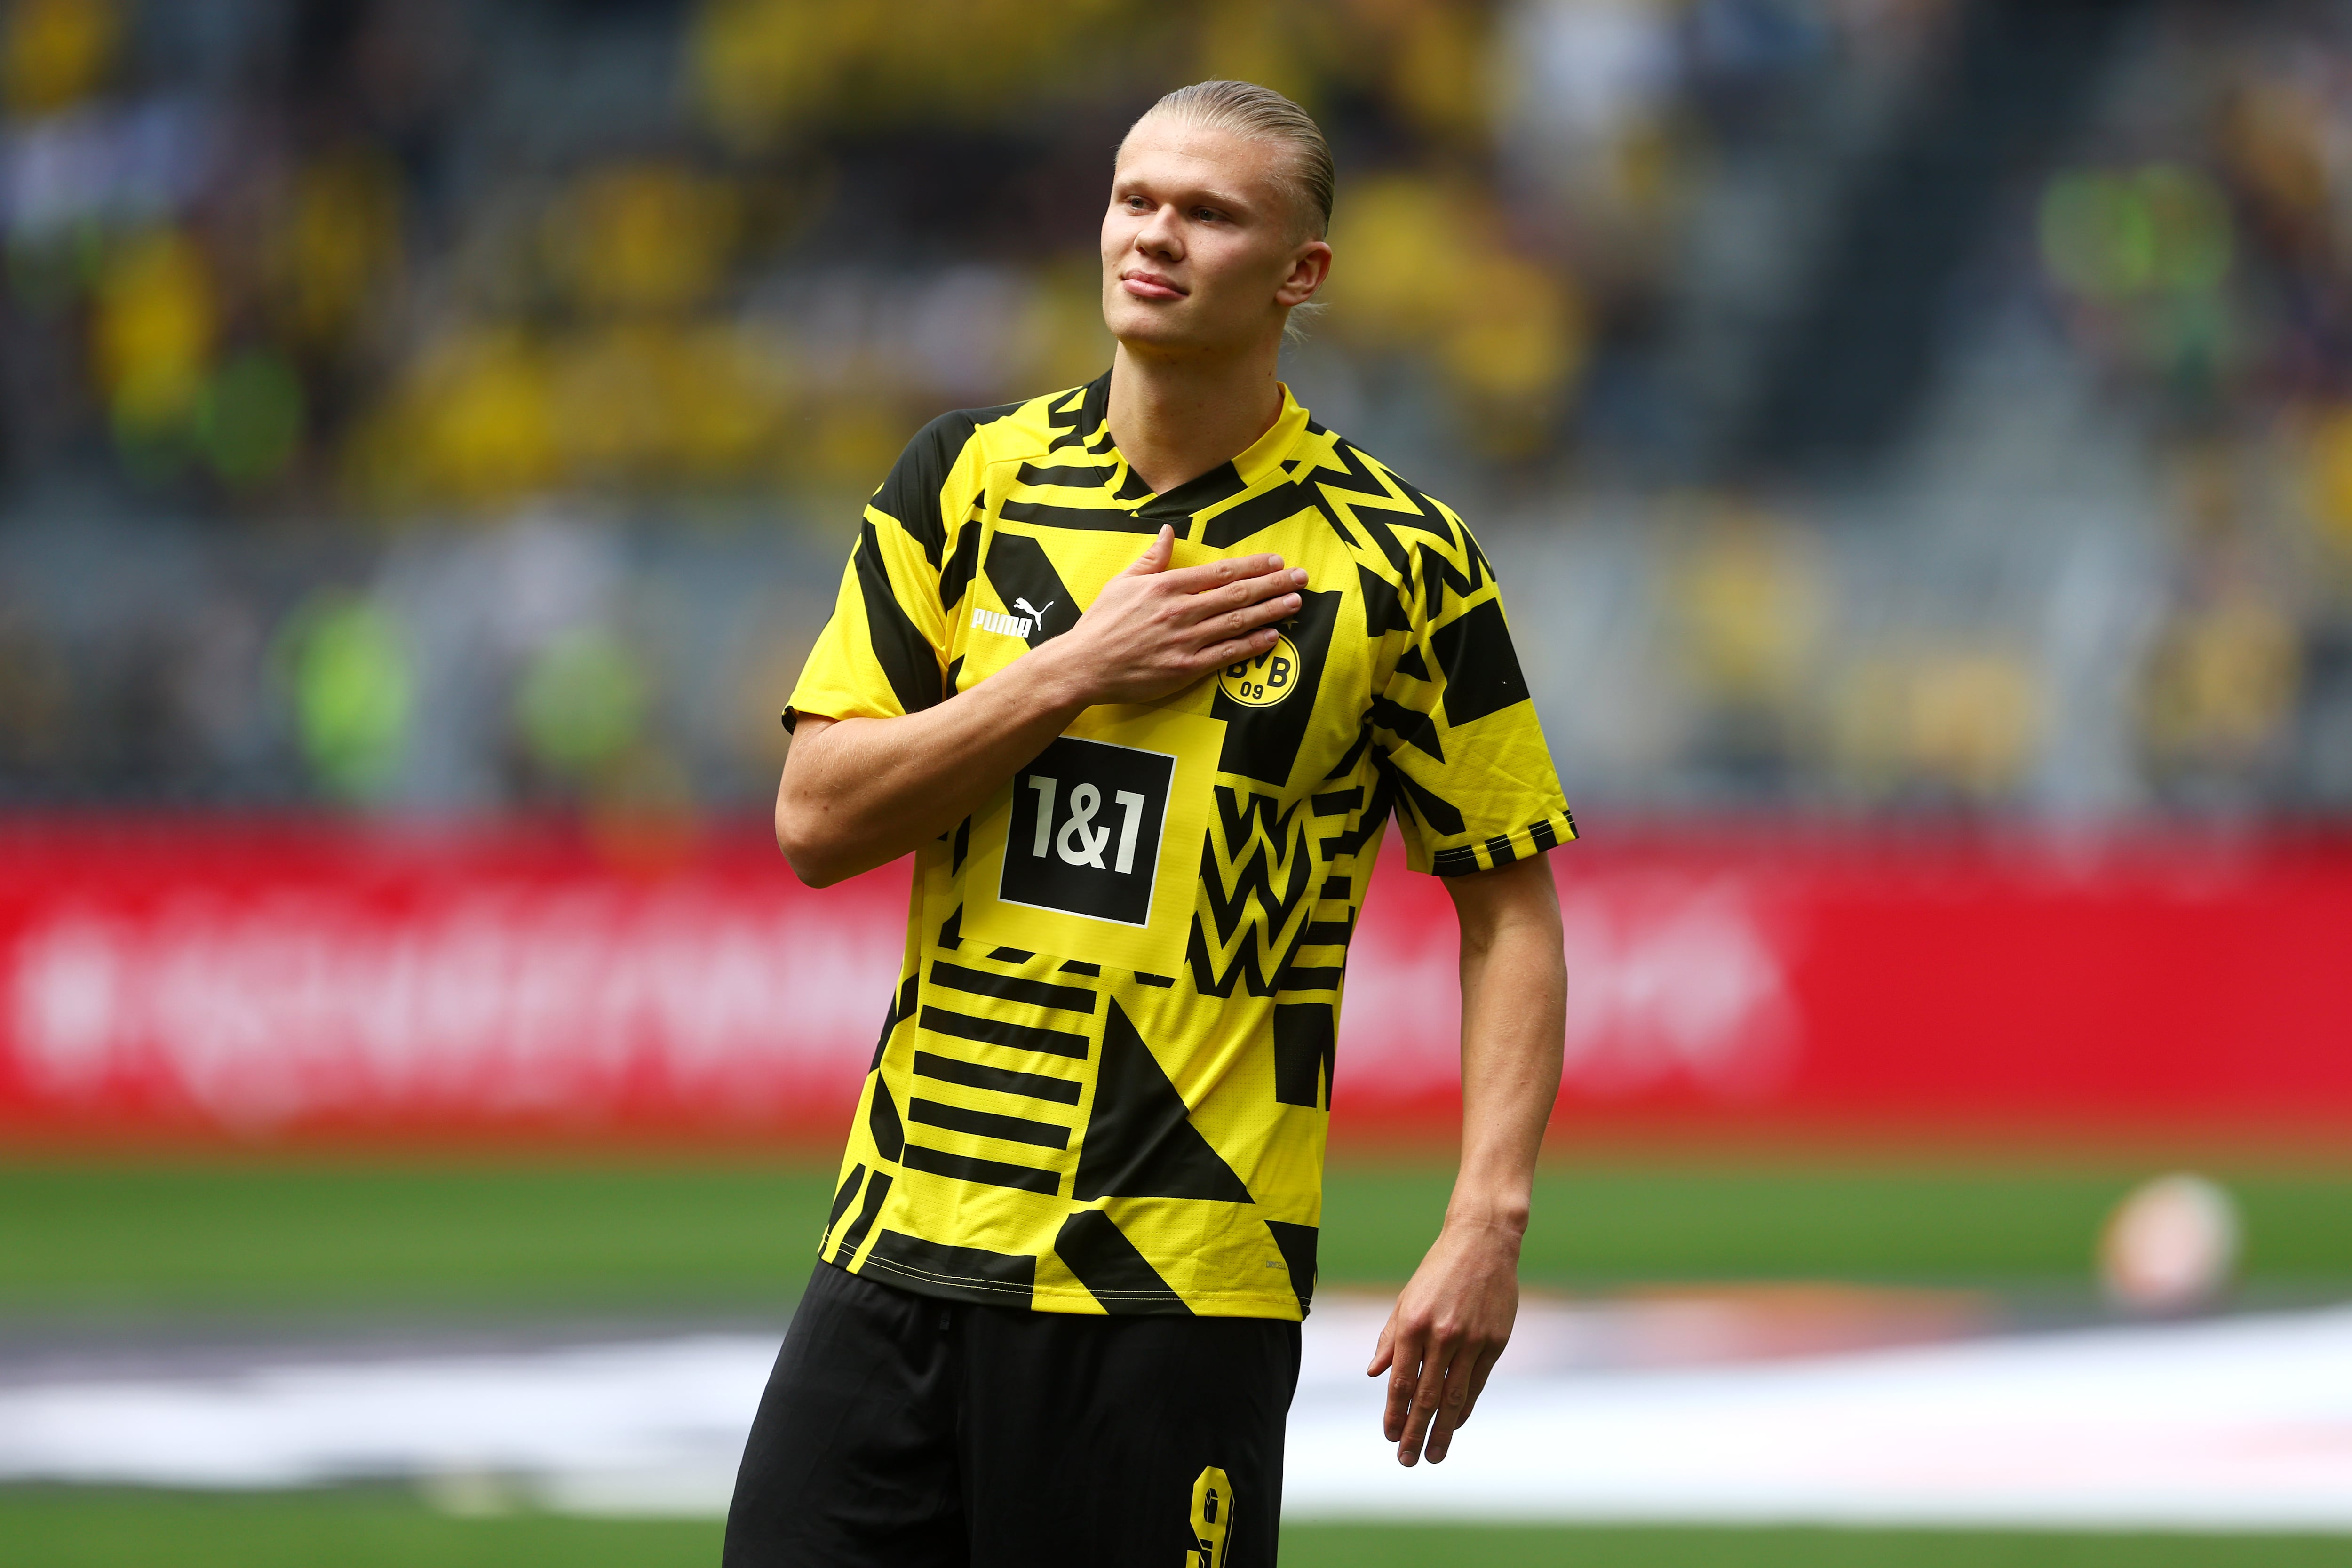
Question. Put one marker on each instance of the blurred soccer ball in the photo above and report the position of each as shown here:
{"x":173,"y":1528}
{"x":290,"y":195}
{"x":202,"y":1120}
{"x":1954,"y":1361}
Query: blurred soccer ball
{"x":2171,"y":1246}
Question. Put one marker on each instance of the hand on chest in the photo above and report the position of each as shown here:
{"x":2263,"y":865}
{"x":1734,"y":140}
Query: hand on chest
{"x":1033,"y":586}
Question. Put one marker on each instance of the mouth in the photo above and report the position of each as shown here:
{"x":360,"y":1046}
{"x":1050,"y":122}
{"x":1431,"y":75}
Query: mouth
{"x":1146,"y":285}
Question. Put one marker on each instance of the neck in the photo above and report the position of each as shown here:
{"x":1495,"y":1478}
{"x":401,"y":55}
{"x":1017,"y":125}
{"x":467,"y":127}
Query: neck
{"x":1176,"y":418}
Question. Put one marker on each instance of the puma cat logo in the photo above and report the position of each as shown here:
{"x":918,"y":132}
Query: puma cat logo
{"x":1019,"y":625}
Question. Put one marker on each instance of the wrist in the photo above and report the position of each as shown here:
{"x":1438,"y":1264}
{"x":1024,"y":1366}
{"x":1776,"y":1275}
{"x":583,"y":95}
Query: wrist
{"x":1495,"y":1218}
{"x":1060,"y":679}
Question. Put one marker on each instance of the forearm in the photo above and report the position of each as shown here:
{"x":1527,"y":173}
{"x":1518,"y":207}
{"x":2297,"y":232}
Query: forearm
{"x":860,"y":792}
{"x":1514,"y":1016}
{"x":1455,"y":1317}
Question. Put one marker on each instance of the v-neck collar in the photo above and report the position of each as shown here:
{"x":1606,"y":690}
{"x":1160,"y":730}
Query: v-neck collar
{"x":1262,"y":457}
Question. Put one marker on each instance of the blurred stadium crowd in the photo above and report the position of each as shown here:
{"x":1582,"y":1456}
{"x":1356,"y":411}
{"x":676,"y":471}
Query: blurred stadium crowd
{"x":447,"y":405}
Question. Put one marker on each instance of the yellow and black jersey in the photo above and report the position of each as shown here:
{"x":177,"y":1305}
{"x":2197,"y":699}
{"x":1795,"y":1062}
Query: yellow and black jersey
{"x":1104,"y":1083}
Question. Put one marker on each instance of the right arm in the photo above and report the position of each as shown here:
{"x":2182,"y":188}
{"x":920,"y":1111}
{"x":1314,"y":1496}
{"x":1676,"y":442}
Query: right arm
{"x":858,"y":792}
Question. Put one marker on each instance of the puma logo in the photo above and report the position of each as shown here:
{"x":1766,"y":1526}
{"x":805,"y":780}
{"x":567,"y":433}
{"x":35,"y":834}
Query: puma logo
{"x":1012,"y":625}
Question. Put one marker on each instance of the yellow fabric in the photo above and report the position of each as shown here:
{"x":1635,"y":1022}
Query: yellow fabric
{"x":1213,"y":1519}
{"x":1105,"y":1080}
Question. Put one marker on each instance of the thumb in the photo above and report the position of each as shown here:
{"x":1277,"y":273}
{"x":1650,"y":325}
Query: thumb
{"x":1156,"y":555}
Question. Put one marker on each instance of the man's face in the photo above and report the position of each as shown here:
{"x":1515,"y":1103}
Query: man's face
{"x":1203,"y":247}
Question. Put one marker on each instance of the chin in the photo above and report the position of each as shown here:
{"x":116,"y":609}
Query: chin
{"x":1146,"y":339}
{"x":1132,"y":322}
{"x":1142,"y":331}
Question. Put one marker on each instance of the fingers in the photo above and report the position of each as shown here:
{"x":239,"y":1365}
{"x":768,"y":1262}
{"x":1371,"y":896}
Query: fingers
{"x":1398,"y":1354}
{"x":1252,"y":592}
{"x":1383,"y":1348}
{"x":1463,"y":1379}
{"x":1448,"y":1414}
{"x":1425,"y":1398}
{"x":1479,"y":1373}
{"x":1243,"y":629}
{"x":1434,"y":1384}
{"x":1236,"y":614}
{"x":1212,"y":574}
{"x":1242,"y":622}
{"x":1233,"y":650}
{"x":1156,"y":555}
{"x":1404,"y":1377}
{"x":1170,"y":625}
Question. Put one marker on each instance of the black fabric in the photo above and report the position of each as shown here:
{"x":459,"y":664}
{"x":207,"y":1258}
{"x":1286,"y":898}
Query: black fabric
{"x":911,"y":492}
{"x":1020,"y":572}
{"x":902,"y":1008}
{"x":842,"y":1198}
{"x":1140,"y":1142}
{"x":905,"y":656}
{"x":1092,"y":1247}
{"x":1384,"y":611}
{"x":1017,"y":1036}
{"x":1482,"y":669}
{"x":882,"y":1120}
{"x":899,"y":1431}
{"x":1297,"y":1242}
{"x":1196,"y":494}
{"x":1013,"y":988}
{"x":973,"y":1168}
{"x":1086,"y":519}
{"x":1263,"y":744}
{"x":961,"y":566}
{"x":1305,"y":1053}
{"x":877,"y":1189}
{"x":1002,"y":1080}
{"x":1009,"y":1275}
{"x":1238,"y":522}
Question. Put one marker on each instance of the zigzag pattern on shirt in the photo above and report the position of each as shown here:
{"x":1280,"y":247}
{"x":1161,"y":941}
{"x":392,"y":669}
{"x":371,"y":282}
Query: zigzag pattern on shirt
{"x":1367,"y":504}
{"x":1364,"y":496}
{"x":1257,"y":871}
{"x":1465,"y":572}
{"x":1066,"y":413}
{"x":1076,"y":417}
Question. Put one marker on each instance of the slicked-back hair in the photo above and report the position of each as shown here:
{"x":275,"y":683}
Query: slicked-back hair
{"x":1261,"y":114}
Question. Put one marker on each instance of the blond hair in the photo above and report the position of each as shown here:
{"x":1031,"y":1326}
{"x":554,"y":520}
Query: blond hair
{"x":1261,"y":114}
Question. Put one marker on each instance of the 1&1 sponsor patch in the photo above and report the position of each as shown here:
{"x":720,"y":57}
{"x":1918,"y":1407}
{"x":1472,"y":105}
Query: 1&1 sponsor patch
{"x":1085,"y":832}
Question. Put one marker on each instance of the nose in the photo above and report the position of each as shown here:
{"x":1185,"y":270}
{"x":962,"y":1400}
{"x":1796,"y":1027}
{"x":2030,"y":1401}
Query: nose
{"x":1157,"y":238}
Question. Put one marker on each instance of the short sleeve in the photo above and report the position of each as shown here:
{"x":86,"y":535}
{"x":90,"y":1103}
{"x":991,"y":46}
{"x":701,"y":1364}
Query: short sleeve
{"x":1460,"y":743}
{"x":885,"y":651}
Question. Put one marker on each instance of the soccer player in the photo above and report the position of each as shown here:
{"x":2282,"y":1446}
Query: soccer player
{"x":1139,"y":672}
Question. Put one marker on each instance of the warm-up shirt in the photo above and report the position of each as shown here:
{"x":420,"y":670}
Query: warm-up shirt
{"x":1103,"y":1082}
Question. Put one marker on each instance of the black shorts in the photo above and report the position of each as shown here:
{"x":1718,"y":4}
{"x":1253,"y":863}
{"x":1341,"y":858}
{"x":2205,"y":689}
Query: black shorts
{"x":903,"y":1432}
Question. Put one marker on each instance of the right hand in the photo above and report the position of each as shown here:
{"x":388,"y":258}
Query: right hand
{"x":1153,"y":631}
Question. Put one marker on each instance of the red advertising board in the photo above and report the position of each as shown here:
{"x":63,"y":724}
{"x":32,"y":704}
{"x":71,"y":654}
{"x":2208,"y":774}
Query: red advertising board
{"x":255,"y":978}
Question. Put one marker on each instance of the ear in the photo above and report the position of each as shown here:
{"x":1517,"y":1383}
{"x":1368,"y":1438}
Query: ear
{"x":1309,"y":266}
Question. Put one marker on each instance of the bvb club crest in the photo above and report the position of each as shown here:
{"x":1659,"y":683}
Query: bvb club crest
{"x":1265,"y":680}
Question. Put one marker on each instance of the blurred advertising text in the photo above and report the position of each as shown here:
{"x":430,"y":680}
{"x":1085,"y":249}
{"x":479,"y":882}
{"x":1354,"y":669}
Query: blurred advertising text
{"x":264,"y":978}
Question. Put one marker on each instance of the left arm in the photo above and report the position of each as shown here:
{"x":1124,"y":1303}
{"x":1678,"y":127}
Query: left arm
{"x":1455,"y":1317}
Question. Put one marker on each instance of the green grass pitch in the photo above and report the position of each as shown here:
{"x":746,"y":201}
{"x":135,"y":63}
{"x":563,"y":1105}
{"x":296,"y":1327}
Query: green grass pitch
{"x":274,"y":1236}
{"x":258,"y":1240}
{"x":64,"y":1529}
